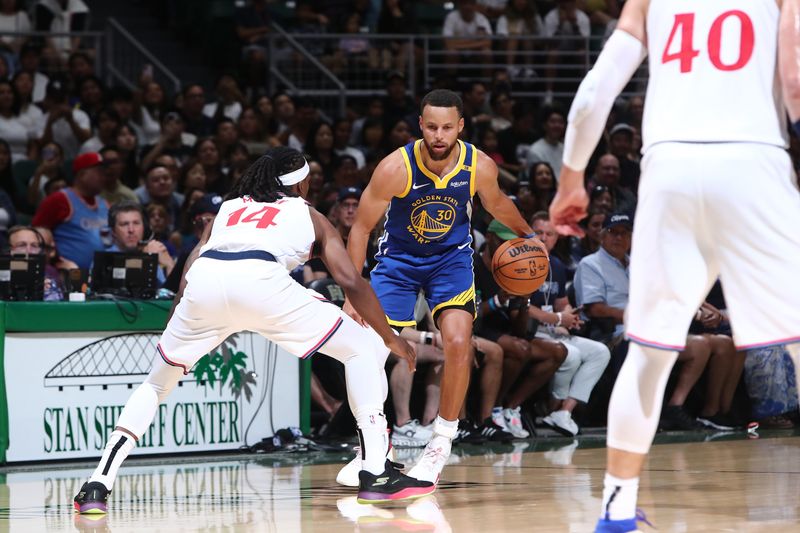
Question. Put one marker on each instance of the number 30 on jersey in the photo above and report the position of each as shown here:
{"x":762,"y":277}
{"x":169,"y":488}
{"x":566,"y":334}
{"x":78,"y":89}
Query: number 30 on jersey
{"x":680,"y":45}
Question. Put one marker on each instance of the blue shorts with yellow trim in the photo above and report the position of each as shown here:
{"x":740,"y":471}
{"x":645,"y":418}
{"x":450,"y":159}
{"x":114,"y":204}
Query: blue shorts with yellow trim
{"x":446,"y":279}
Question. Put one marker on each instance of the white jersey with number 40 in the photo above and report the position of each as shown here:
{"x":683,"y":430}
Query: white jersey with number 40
{"x":713,"y":72}
{"x":283,"y":228}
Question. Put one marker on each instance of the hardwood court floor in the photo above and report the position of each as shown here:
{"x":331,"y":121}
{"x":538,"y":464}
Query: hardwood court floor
{"x":737,"y":485}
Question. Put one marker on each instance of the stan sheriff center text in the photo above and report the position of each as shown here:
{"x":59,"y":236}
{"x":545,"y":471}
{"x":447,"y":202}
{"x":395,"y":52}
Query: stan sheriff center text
{"x":72,"y":429}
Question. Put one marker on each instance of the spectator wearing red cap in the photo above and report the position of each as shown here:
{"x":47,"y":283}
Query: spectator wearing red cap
{"x":76,"y":214}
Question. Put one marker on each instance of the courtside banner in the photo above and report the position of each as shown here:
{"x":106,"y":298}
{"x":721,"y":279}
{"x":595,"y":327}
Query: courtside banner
{"x":66,"y":390}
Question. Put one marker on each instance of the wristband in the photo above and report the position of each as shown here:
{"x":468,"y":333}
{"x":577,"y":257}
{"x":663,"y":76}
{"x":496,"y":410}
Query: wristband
{"x":490,"y":303}
{"x":534,"y":234}
{"x":497,"y":303}
{"x":796,"y":128}
{"x":428,"y":338}
{"x":559,"y":315}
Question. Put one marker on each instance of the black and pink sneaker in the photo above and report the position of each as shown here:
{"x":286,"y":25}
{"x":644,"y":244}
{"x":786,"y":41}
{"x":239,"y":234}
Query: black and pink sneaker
{"x":391,"y":485}
{"x":92,"y":498}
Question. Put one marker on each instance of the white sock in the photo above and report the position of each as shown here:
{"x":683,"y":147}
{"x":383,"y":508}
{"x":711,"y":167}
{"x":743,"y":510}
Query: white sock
{"x":445,"y":428}
{"x":619,"y":498}
{"x":374,"y":440}
{"x":117,"y":449}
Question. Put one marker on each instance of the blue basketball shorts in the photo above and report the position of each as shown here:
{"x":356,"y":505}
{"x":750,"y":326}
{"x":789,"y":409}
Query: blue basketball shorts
{"x":447,"y":281}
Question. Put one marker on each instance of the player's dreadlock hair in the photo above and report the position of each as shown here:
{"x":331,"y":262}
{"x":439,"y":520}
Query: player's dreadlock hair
{"x":260,"y":181}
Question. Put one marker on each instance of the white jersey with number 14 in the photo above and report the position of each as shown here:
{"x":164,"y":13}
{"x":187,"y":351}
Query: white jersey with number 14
{"x":713,"y":72}
{"x":283,"y":228}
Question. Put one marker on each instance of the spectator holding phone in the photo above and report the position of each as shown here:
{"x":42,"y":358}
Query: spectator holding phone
{"x":69,"y":127}
{"x":50,"y":168}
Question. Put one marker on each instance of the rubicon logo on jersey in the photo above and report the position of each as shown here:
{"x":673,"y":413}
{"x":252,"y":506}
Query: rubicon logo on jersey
{"x":459,"y":183}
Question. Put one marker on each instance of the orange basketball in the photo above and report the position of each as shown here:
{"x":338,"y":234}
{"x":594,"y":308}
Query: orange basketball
{"x":520,"y":266}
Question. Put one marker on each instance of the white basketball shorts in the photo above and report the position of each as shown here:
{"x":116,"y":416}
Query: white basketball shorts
{"x":226,"y":297}
{"x":727,"y":210}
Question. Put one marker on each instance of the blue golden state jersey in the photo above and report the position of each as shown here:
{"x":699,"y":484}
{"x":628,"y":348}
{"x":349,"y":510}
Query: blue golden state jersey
{"x":432,"y":215}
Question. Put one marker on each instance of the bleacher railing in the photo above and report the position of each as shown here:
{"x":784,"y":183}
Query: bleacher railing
{"x":340,"y":66}
{"x":125,"y":56}
{"x":294,"y":66}
{"x":118,"y":56}
{"x":90,"y":41}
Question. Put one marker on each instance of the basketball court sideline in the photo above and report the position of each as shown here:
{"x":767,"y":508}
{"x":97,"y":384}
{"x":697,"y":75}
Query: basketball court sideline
{"x":731,"y":484}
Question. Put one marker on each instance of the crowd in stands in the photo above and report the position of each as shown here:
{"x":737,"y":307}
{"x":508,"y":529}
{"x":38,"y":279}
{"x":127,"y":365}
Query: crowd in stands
{"x":540,"y":40}
{"x":85,"y":167}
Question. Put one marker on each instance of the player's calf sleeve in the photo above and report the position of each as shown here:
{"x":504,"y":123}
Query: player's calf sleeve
{"x":363,"y":356}
{"x":635,"y":406}
{"x":139,"y":410}
{"x":163,"y":378}
{"x":135,"y":418}
{"x":372,"y":436}
{"x":382,"y":354}
{"x":143,"y":403}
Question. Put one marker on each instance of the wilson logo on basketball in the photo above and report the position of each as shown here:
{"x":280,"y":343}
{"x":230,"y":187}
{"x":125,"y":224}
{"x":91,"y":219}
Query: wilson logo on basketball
{"x":514,"y":252}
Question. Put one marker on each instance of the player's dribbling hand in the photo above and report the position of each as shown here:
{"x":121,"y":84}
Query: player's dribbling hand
{"x":350,"y":311}
{"x":567,"y":210}
{"x":404,"y":350}
{"x":570,"y":203}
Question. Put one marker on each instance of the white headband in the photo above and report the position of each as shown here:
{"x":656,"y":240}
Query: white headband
{"x":295,"y":176}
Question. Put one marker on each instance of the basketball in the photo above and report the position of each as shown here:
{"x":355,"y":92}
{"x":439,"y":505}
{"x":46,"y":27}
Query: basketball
{"x":520,"y":266}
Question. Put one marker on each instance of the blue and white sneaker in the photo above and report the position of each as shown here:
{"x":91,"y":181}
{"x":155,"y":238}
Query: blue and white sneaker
{"x":616,"y":526}
{"x":604,"y":525}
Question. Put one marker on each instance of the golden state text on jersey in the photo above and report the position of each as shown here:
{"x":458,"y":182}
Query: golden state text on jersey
{"x":432,"y":215}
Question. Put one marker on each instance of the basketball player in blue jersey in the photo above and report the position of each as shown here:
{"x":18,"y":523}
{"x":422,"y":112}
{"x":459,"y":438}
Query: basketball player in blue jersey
{"x":427,"y":187}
